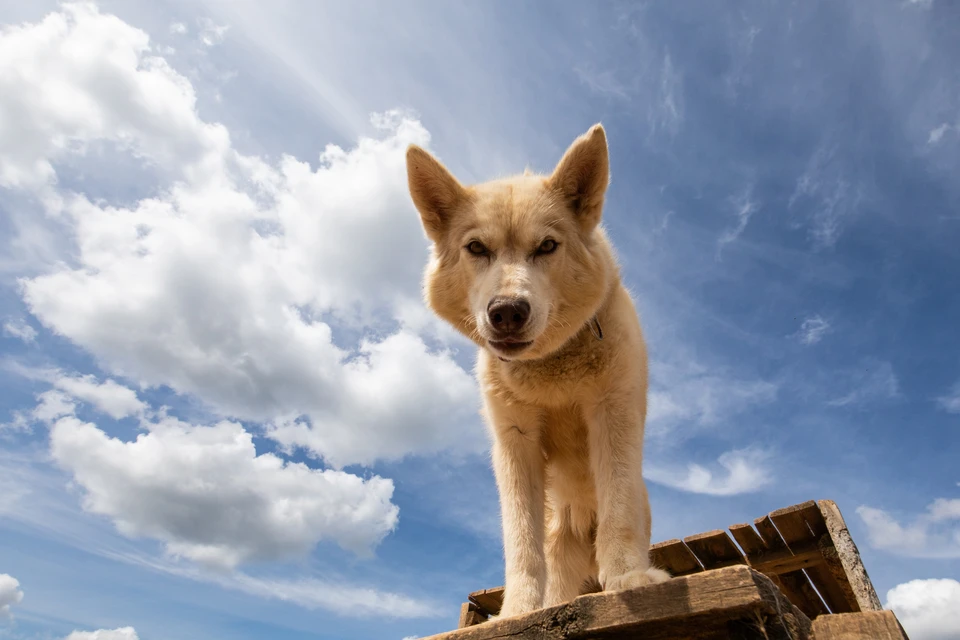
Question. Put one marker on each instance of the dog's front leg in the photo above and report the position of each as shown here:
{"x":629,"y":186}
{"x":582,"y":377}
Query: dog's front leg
{"x":519,"y":469}
{"x":623,"y":508}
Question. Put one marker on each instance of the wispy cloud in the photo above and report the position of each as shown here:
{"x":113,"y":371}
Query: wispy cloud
{"x":950,"y":402}
{"x":120,"y":633}
{"x":667,"y":110}
{"x":211,"y":33}
{"x":19,"y":329}
{"x":687,"y":396}
{"x":872,"y":381}
{"x":933,"y":534}
{"x":813,"y":329}
{"x":310,"y":593}
{"x":936,"y":134}
{"x":826,"y":196}
{"x":744,"y":207}
{"x":741,"y":471}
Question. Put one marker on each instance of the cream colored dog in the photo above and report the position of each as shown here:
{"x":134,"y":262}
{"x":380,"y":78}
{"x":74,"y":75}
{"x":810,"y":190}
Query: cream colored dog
{"x":523,"y":268}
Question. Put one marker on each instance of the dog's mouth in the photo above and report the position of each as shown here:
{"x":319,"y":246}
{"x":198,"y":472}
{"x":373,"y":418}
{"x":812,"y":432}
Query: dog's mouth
{"x":509,"y":346}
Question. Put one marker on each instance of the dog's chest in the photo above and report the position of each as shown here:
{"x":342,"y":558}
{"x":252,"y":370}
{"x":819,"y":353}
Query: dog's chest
{"x":558,"y":380}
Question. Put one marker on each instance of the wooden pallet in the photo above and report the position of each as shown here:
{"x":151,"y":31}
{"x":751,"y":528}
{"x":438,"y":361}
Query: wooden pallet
{"x":805,"y":550}
{"x":735,"y":602}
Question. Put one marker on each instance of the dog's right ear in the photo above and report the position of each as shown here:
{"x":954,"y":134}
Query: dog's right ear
{"x":435,"y":192}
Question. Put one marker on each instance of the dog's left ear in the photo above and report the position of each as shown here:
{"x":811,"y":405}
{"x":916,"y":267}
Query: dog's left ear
{"x":582,"y":176}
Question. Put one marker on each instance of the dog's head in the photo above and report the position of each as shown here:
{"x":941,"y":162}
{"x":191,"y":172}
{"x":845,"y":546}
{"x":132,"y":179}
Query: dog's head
{"x":518,"y":265}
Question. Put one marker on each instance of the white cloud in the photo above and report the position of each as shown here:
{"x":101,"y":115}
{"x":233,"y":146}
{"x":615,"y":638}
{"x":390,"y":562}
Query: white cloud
{"x":872,"y":381}
{"x":936,"y":135}
{"x":813,"y":329}
{"x":10,"y":594}
{"x":20,"y":330}
{"x":927,"y":609}
{"x":212,"y":34}
{"x":310,"y":593}
{"x":178,"y":28}
{"x":692,"y":396}
{"x":52,"y":405}
{"x":951,"y":401}
{"x":115,"y":400}
{"x":744,"y":207}
{"x":206,"y":494}
{"x":744,"y":471}
{"x":826,"y":196}
{"x":55,"y":102}
{"x":122,"y":633}
{"x":225,"y":284}
{"x":344,"y":599}
{"x":933,"y":534}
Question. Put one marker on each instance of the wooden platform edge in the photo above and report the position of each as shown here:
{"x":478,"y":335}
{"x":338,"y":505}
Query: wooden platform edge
{"x":866,"y":625}
{"x":715,"y":599}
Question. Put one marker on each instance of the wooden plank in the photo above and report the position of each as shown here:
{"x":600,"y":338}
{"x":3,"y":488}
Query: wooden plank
{"x":714,"y":549}
{"x":795,"y":584}
{"x":748,"y":539}
{"x":469,"y":615}
{"x":867,"y":625}
{"x":711,"y":604}
{"x":845,"y":557}
{"x":791,"y":522}
{"x":488,"y":601}
{"x":674,"y":557}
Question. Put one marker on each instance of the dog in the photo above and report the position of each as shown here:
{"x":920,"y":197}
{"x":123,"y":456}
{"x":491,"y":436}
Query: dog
{"x":523,"y":267}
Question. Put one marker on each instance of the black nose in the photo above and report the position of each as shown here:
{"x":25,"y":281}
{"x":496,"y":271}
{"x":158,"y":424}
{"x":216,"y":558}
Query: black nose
{"x":508,"y":315}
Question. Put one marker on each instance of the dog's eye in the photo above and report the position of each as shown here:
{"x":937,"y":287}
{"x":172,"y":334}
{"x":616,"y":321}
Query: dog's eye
{"x":547,"y":246}
{"x":476,"y":248}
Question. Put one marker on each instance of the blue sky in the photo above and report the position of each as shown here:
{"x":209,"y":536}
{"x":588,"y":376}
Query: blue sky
{"x":226,"y":411}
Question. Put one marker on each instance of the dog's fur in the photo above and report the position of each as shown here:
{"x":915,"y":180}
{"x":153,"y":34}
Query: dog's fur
{"x":566,"y":412}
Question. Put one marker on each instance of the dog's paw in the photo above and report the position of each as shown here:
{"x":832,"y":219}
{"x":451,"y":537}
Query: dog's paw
{"x":519,"y":602}
{"x":636,"y":578}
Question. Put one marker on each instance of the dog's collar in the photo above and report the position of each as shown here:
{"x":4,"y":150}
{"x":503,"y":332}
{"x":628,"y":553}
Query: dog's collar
{"x":595,"y":329}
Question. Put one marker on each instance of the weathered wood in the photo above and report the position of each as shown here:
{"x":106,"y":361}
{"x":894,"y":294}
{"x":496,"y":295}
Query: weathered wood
{"x":674,"y":557}
{"x":844,"y":558}
{"x":791,"y":522}
{"x":867,"y":625}
{"x":794,"y":583}
{"x":748,"y":539}
{"x":714,"y":549}
{"x":731,"y":602}
{"x":487,"y":601}
{"x":469,"y":615}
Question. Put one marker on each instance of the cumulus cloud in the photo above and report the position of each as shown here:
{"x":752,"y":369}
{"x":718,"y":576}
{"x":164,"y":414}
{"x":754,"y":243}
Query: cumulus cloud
{"x":743,"y":471}
{"x":933,"y":534}
{"x":10,"y":594}
{"x":20,"y":330}
{"x":206,"y":494}
{"x":950,"y":402}
{"x":813,"y":329}
{"x":121,"y":633}
{"x":113,"y":399}
{"x":927,"y":609}
{"x":226,"y":283}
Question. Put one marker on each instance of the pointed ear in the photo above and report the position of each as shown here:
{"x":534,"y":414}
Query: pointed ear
{"x":582,"y":176}
{"x":435,"y":192}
